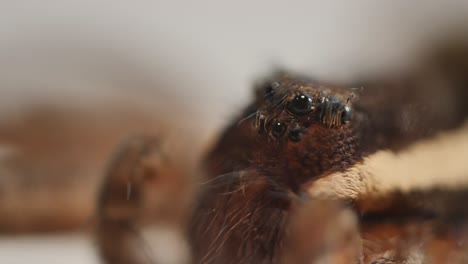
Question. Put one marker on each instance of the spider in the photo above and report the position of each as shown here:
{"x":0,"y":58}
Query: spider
{"x":289,"y":180}
{"x":309,"y":138}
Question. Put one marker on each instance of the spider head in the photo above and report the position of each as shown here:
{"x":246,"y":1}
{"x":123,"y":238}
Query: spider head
{"x":309,"y":127}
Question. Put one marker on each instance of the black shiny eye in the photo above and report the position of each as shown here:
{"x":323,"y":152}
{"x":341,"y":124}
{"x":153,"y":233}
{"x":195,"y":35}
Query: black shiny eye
{"x":301,"y":104}
{"x":346,"y":114}
{"x":295,"y":135}
{"x":278,"y":129}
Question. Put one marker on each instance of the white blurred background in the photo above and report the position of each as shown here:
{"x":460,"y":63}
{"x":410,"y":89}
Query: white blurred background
{"x":203,"y":55}
{"x":192,"y":60}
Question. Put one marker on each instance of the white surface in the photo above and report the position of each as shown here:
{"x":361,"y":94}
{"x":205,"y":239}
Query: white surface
{"x":167,"y":247}
{"x":50,"y":249}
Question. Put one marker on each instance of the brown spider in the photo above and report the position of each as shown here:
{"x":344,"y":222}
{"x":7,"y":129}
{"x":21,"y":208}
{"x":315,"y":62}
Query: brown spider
{"x":306,"y":133}
{"x":289,"y":182}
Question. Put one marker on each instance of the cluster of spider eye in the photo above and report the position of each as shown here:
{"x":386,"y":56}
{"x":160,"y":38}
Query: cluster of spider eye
{"x":331,"y":111}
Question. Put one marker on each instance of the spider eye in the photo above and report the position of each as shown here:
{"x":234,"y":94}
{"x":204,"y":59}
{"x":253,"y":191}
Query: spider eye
{"x":295,"y":135}
{"x":278,"y":129}
{"x":301,"y":104}
{"x":346,"y":114}
{"x":269,"y":87}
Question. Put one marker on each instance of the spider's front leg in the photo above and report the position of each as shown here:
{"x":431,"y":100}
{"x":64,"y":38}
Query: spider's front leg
{"x":142,"y":189}
{"x":245,"y":217}
{"x":240,"y":218}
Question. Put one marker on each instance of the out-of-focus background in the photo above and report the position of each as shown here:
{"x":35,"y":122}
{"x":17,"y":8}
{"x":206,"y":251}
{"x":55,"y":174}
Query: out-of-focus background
{"x":77,"y":77}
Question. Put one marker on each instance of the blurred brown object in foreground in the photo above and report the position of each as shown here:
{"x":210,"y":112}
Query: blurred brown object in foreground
{"x":322,"y":232}
{"x":51,"y":161}
{"x":142,"y":188}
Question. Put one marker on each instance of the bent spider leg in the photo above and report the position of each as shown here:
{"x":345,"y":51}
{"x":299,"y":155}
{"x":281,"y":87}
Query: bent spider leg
{"x":243,"y":226}
{"x":123,"y":212}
